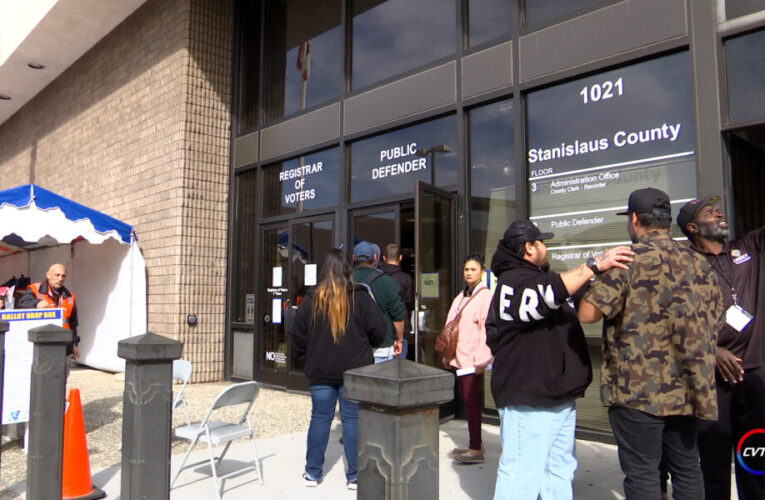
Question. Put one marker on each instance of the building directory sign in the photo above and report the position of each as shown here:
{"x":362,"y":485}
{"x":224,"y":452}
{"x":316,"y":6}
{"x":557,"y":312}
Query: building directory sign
{"x":594,"y":140}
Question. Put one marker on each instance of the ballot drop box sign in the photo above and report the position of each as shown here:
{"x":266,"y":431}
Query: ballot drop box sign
{"x":18,"y":358}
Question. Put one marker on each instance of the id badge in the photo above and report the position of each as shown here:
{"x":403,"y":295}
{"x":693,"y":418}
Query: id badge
{"x":737,"y":317}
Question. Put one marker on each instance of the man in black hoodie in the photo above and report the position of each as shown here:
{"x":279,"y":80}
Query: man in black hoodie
{"x":391,"y":266}
{"x":541,"y":363}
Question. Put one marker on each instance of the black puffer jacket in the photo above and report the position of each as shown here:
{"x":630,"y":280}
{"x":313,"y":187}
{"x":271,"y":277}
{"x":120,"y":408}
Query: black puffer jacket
{"x":540,"y":353}
{"x":325,"y":360}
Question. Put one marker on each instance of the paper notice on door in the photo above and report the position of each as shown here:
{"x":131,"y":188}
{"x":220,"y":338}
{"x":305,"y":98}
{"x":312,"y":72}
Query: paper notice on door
{"x":429,"y":285}
{"x":309,"y":275}
{"x":276,"y":311}
{"x":276,"y":277}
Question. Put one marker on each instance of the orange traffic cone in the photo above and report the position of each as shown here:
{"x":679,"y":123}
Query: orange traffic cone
{"x":75,"y":474}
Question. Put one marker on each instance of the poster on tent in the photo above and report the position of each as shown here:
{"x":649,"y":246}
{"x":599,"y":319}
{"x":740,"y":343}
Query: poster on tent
{"x":18,"y":359}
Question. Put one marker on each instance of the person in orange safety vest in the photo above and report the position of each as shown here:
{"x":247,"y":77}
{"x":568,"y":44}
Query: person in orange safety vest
{"x":52,"y":293}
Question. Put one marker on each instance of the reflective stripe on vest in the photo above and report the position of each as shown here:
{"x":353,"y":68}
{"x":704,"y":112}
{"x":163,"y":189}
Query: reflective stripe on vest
{"x":65,"y":303}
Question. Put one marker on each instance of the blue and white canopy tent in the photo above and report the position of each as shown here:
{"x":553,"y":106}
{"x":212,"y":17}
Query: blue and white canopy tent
{"x":106,"y":270}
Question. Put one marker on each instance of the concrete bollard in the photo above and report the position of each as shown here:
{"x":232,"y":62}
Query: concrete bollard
{"x":3,"y":329}
{"x":398,"y":427}
{"x":46,"y":410}
{"x":146,"y":415}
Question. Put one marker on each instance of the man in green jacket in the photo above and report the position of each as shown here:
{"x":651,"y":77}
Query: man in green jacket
{"x":385,"y":292}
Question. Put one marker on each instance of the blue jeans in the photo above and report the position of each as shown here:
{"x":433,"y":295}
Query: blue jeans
{"x":538,"y":458}
{"x":323,"y":400}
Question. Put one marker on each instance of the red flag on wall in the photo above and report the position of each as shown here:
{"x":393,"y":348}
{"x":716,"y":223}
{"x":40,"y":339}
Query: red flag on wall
{"x":304,"y":60}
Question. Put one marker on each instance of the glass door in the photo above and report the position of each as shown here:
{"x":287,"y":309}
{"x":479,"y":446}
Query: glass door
{"x":378,"y":225}
{"x":292,"y":255}
{"x":273,"y":339}
{"x":312,"y":239}
{"x":434,"y":282}
{"x":433,"y":256}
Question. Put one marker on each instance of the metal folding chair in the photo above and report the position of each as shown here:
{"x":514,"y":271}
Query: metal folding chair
{"x":215,"y":432}
{"x":182,"y":372}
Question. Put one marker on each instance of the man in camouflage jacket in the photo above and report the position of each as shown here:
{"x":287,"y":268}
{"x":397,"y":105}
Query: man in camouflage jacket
{"x":661,"y":322}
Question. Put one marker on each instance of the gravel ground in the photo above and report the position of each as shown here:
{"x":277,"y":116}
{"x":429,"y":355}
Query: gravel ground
{"x":274,"y":413}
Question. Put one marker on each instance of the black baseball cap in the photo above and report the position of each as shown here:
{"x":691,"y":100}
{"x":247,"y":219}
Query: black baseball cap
{"x":646,"y":201}
{"x":523,"y":230}
{"x":693,"y":207}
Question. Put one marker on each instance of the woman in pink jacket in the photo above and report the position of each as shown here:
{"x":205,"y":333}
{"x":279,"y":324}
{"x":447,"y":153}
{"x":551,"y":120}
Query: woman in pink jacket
{"x":473,"y":355}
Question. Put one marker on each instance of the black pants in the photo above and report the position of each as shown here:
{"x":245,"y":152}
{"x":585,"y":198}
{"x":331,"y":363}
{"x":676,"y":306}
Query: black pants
{"x":741,"y":408}
{"x":643,"y":439}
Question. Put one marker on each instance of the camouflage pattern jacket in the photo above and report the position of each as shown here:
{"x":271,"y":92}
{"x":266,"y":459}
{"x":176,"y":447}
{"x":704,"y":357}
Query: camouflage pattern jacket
{"x":661,"y":322}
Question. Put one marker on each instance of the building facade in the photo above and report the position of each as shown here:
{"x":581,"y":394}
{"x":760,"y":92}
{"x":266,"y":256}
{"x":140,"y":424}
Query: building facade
{"x":244,"y":139}
{"x":138,"y":128}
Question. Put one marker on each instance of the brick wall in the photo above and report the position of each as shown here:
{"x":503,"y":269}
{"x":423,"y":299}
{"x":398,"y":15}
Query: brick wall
{"x":138,"y":128}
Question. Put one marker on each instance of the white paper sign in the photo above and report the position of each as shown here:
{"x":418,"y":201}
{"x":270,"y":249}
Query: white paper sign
{"x":18,"y":358}
{"x":276,"y":278}
{"x":309,"y":277}
{"x":276,"y":311}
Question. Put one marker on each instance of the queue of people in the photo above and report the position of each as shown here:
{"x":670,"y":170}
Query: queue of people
{"x":683,"y":367}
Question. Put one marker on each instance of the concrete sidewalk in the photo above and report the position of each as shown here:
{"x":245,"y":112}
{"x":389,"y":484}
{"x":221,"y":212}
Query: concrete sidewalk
{"x":598,"y":476}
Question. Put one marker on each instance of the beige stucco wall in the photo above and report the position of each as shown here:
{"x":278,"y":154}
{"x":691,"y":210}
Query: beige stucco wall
{"x":139,"y":128}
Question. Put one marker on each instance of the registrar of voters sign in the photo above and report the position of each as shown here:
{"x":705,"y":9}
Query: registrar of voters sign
{"x":18,"y":358}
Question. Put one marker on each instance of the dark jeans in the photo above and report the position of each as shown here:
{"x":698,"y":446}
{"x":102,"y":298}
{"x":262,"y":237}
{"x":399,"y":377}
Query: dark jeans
{"x":643,"y":439}
{"x":470,"y":392}
{"x":741,"y":409}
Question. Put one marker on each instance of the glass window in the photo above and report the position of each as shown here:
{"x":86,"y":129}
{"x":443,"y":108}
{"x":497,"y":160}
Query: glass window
{"x":302,"y":183}
{"x":395,"y":36}
{"x":303,"y":55}
{"x":492,"y":175}
{"x":594,"y":140}
{"x":244,"y":273}
{"x":388,"y":164}
{"x":746,"y":77}
{"x":545,"y":11}
{"x":738,"y":8}
{"x":489,"y":20}
{"x":249,"y":66}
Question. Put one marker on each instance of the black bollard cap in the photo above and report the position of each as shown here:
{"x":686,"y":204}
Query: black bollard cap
{"x":49,"y":334}
{"x":149,"y":347}
{"x":399,"y":384}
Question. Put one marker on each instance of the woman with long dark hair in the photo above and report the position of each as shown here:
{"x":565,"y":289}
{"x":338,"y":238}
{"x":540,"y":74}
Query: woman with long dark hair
{"x":336,"y":328}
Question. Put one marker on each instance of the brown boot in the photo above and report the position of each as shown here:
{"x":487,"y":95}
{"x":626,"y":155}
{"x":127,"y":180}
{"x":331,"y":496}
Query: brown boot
{"x":469,"y":457}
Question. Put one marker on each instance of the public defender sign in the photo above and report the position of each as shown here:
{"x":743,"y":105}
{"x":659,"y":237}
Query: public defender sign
{"x":18,"y":359}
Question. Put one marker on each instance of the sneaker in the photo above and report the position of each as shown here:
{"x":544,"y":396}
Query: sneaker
{"x":469,"y":457}
{"x":309,"y":481}
{"x":460,"y":451}
{"x":352,"y":485}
